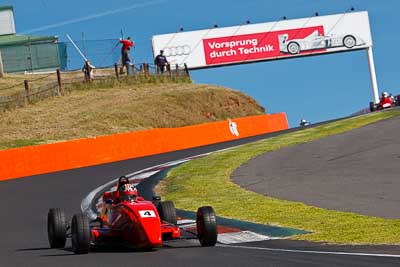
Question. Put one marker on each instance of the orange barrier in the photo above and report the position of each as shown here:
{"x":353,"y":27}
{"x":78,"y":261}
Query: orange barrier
{"x":33,"y":160}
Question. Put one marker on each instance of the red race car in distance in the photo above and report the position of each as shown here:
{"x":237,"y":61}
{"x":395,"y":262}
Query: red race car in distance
{"x":127,"y":219}
{"x":386,"y":101}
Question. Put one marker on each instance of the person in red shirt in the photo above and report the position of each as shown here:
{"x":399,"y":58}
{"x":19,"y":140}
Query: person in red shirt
{"x":125,"y":59}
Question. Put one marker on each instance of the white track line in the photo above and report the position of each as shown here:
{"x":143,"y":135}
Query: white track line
{"x":241,"y":237}
{"x":312,"y":251}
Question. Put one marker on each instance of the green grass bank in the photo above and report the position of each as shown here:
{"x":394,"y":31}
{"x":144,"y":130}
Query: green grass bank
{"x":207,"y":181}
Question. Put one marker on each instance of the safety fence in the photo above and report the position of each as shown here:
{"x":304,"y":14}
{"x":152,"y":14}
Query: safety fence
{"x":58,"y":83}
{"x":39,"y":159}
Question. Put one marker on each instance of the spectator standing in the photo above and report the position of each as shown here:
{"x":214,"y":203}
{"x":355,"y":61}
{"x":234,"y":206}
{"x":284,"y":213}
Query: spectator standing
{"x":125,"y":59}
{"x":88,"y":70}
{"x":160,"y":61}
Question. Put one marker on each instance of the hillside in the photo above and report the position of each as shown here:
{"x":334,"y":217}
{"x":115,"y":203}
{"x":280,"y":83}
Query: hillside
{"x":93,"y":112}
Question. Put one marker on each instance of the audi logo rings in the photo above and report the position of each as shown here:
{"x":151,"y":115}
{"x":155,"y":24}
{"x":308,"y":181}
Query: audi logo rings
{"x":177,"y":51}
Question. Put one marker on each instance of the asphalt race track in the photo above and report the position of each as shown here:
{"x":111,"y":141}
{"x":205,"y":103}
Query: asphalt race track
{"x":25,"y":203}
{"x":356,"y":171}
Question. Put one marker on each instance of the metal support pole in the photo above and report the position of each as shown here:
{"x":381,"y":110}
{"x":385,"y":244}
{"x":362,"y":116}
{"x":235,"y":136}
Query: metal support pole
{"x":372,"y":73}
{"x":1,"y":66}
{"x":83,"y":44}
{"x":30,"y":54}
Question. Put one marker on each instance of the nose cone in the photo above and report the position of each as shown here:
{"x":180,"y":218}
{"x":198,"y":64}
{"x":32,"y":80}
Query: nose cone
{"x":150,"y":224}
{"x":152,"y":229}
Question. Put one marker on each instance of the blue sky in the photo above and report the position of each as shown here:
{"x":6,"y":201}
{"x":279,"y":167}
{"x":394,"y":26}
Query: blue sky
{"x":315,"y":88}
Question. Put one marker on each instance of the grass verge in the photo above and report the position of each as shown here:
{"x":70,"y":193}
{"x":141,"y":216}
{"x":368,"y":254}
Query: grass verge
{"x":206,"y":181}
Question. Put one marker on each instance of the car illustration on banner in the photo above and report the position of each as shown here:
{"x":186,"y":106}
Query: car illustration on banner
{"x":316,"y":41}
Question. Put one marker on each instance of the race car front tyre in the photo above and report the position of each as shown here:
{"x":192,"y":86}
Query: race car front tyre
{"x":167,"y":211}
{"x":80,"y":234}
{"x":206,"y":223}
{"x":57,"y":228}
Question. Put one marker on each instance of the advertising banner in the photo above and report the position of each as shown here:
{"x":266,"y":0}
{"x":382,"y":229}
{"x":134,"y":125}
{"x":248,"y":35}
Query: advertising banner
{"x":266,"y":41}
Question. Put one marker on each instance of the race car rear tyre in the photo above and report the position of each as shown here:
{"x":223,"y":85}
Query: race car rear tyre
{"x":80,"y":234}
{"x":372,"y":106}
{"x":206,"y":223}
{"x":57,"y":228}
{"x":167,"y":211}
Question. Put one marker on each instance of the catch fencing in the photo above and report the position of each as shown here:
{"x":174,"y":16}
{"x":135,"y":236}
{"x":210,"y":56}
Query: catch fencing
{"x":101,"y":53}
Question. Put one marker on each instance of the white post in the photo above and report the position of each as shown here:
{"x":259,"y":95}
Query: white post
{"x":1,"y":66}
{"x":372,"y":73}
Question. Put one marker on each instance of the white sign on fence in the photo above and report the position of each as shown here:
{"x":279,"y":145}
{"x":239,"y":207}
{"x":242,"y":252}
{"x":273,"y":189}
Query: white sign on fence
{"x":266,"y":41}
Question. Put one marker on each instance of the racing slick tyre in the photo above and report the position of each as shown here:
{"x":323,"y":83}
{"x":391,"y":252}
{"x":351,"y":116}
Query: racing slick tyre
{"x":167,"y":211}
{"x":349,"y":41}
{"x":206,"y":226}
{"x":293,"y":48}
{"x":372,"y":107}
{"x":80,"y":234}
{"x":57,"y":228}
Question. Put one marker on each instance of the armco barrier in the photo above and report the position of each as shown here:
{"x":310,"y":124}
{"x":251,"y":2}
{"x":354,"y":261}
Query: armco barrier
{"x":33,"y":160}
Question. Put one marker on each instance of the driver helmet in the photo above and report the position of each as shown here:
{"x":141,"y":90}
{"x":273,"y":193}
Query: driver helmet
{"x":303,"y":122}
{"x":127,"y":191}
{"x":385,"y":94}
{"x":123,"y":180}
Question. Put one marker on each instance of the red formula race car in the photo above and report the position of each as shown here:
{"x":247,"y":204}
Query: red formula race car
{"x":386,"y":101}
{"x":127,"y":220}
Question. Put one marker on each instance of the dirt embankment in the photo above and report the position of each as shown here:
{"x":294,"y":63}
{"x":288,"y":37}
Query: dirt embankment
{"x":95,"y":112}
